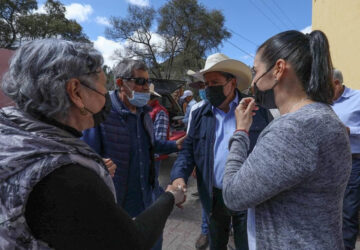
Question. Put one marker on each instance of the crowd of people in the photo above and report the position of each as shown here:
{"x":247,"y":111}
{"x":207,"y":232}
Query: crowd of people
{"x":79,"y":164}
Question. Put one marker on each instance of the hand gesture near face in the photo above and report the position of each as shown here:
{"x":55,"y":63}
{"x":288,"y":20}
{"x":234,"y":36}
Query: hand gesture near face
{"x":244,"y":113}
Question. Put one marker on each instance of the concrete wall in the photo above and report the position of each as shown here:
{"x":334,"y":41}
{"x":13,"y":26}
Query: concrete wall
{"x":340,"y":20}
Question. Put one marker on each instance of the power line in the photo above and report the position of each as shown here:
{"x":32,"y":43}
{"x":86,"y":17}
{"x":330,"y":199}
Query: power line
{"x":276,"y":15}
{"x":263,"y":13}
{"x":243,"y":37}
{"x":243,"y":51}
{"x":283,"y":12}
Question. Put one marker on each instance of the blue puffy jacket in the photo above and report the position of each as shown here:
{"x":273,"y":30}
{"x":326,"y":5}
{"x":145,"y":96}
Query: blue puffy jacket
{"x":111,"y":140}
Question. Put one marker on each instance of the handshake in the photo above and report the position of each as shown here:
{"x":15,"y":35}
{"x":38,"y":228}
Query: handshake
{"x":178,"y":189}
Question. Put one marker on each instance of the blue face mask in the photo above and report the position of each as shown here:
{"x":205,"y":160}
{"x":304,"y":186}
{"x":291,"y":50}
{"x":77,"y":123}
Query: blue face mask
{"x":202,"y":94}
{"x":139,"y":99}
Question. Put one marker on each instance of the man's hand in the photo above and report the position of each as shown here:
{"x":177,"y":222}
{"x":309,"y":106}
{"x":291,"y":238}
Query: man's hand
{"x":179,"y":142}
{"x":193,"y":174}
{"x":111,"y":166}
{"x":178,"y":193}
{"x":179,"y":183}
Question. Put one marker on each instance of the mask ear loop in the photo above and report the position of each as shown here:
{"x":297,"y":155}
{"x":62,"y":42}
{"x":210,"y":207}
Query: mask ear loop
{"x":131,"y":91}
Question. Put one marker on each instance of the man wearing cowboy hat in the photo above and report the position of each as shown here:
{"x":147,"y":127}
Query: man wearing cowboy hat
{"x":206,"y":145}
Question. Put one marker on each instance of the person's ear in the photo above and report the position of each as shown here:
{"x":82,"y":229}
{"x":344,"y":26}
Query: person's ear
{"x":233,"y":82}
{"x":119,"y":82}
{"x":280,"y":68}
{"x":74,"y":92}
{"x":337,"y":82}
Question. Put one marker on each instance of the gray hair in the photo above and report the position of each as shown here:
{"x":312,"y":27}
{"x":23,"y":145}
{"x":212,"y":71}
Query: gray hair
{"x":39,"y":70}
{"x":337,"y":75}
{"x":126,"y":68}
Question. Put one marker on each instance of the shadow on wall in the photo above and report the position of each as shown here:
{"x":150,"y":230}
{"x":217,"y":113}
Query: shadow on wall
{"x":5,"y":56}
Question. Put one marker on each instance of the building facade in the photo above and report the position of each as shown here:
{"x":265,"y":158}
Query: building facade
{"x":340,"y":20}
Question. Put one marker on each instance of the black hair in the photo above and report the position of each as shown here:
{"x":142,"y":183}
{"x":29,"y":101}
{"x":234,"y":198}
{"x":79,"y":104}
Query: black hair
{"x":309,"y":55}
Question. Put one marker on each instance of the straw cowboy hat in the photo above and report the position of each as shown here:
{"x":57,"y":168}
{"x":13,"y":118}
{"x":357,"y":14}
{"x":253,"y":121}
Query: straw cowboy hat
{"x":152,"y":90}
{"x":220,"y":62}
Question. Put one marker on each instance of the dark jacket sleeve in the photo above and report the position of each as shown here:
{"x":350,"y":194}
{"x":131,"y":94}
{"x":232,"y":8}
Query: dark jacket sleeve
{"x":184,"y":163}
{"x":72,"y":208}
{"x":93,"y":138}
{"x":165,"y":147}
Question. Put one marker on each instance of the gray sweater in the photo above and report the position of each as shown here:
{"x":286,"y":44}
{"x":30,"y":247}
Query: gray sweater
{"x":295,"y":178}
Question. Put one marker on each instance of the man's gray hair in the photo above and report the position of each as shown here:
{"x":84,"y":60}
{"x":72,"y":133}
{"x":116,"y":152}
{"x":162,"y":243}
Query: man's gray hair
{"x":39,"y":70}
{"x":337,"y":75}
{"x":126,"y":68}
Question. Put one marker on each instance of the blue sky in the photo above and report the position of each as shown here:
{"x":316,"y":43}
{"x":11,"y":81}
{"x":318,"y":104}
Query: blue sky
{"x":250,"y":21}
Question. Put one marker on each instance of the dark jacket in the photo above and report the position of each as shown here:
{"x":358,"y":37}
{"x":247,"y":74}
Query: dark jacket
{"x":30,"y":150}
{"x":198,"y":148}
{"x":111,"y":139}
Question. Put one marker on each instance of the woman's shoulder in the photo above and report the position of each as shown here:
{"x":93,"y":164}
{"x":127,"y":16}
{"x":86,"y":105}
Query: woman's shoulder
{"x":315,"y":118}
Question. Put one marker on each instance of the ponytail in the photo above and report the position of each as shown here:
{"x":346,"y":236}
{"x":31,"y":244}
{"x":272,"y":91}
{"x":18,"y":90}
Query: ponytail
{"x":320,"y":86}
{"x":309,"y":55}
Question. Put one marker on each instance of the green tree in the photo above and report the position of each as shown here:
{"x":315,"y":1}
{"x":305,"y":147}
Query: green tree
{"x":28,"y":25}
{"x":186,"y":31}
{"x":110,"y":78}
{"x":197,"y":30}
{"x":136,"y":29}
{"x":51,"y":24}
{"x":10,"y":13}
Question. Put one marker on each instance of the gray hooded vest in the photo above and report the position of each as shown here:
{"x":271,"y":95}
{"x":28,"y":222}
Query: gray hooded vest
{"x":29,"y":151}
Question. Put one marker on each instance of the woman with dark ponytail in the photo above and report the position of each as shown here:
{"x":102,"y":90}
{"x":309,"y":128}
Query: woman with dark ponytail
{"x":294,"y":180}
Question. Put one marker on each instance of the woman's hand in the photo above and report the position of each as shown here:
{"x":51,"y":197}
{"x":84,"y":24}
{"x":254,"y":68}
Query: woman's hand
{"x":111,"y":166}
{"x":244,"y":113}
{"x":178,"y":193}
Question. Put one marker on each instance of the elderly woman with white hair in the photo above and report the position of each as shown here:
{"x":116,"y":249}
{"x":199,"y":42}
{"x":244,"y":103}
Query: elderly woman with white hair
{"x":55,"y":191}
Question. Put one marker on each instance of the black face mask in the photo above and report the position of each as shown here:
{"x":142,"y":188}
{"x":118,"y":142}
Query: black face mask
{"x":265,"y":99}
{"x":100,"y":116}
{"x":215,"y":94}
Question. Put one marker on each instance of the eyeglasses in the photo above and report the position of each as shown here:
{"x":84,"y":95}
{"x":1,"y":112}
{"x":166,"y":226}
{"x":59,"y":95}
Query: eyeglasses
{"x":138,"y":80}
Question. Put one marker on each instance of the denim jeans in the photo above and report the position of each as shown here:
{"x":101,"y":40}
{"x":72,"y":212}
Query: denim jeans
{"x":204,"y":222}
{"x":351,"y":206}
{"x":219,"y":225}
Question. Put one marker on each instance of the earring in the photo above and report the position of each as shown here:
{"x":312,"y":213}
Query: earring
{"x":83,"y":111}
